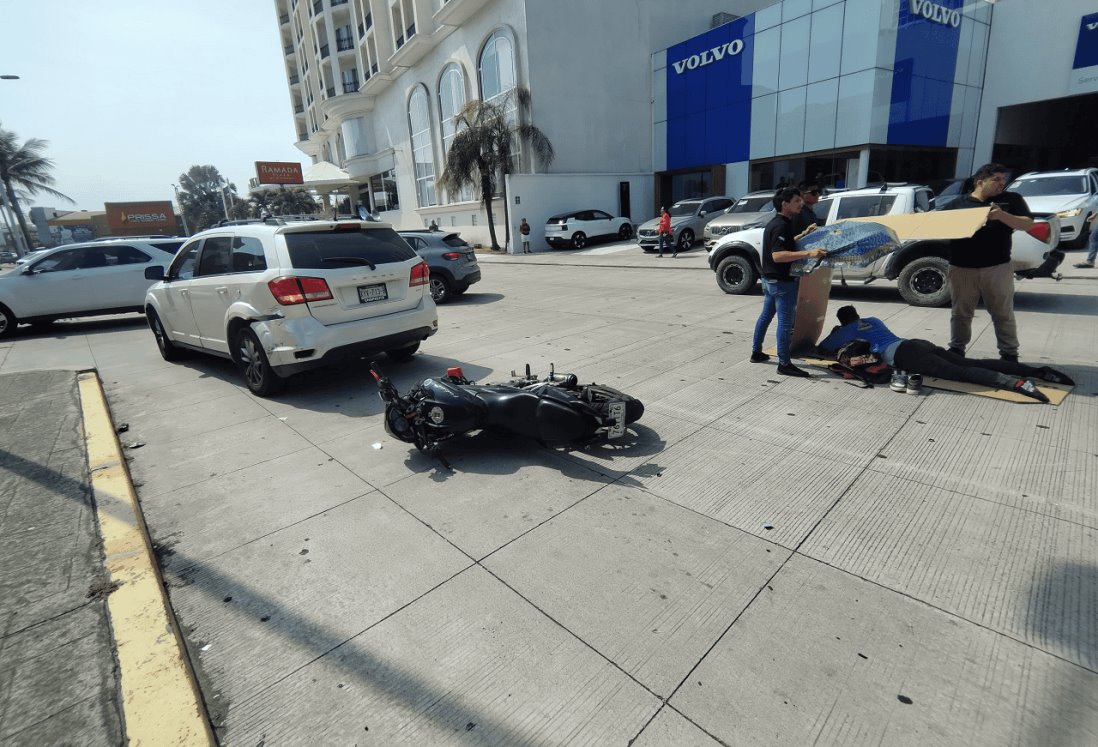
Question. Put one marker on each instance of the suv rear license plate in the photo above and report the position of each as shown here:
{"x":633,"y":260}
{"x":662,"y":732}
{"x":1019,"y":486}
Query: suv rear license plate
{"x":371,"y":293}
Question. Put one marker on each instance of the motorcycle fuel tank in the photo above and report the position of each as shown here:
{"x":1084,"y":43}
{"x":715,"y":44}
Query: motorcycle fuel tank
{"x":450,"y":408}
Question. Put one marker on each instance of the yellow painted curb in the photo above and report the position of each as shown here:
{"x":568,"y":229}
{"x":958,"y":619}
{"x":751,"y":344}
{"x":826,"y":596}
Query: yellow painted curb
{"x":160,"y":699}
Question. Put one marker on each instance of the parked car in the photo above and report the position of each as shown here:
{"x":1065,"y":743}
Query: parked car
{"x":80,"y":280}
{"x":947,"y":191}
{"x":453,"y":262}
{"x":31,"y":255}
{"x":279,"y":297}
{"x":8,"y":258}
{"x":578,"y":227}
{"x":688,"y":221}
{"x":750,"y":211}
{"x":920,"y":268}
{"x":1071,"y":196}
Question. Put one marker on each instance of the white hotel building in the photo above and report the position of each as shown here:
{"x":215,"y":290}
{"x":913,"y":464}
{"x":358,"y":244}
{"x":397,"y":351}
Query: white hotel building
{"x":647,"y":102}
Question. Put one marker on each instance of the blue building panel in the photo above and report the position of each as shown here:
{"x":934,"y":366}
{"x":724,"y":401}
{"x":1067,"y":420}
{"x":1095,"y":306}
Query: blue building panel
{"x":927,"y":39}
{"x":709,"y":96}
{"x":1086,"y":46}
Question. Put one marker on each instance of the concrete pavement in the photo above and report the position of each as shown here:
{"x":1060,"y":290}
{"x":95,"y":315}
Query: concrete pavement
{"x":764,"y":560}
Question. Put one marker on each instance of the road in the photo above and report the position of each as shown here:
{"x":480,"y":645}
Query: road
{"x":763,"y":560}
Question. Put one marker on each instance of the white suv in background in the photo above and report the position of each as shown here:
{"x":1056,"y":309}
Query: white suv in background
{"x":279,"y":298}
{"x":1071,"y":196}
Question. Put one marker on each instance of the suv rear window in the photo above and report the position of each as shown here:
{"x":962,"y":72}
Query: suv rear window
{"x":324,"y":250}
{"x":454,"y":240}
{"x":864,"y":206}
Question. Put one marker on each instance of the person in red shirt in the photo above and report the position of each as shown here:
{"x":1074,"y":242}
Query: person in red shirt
{"x":664,"y":232}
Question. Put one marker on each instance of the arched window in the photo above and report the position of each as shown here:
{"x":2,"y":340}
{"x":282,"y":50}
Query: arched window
{"x":451,"y":98}
{"x":497,"y":66}
{"x":419,"y":125}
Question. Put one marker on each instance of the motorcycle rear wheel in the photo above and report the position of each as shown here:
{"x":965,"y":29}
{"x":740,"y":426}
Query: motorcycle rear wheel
{"x":600,"y":396}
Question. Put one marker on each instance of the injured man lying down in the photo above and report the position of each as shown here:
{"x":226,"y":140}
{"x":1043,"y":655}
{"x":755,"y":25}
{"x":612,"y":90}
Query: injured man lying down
{"x":924,"y":357}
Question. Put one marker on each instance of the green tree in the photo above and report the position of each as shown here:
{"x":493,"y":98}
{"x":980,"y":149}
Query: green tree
{"x":482,"y":152}
{"x":201,"y":190}
{"x":23,"y":167}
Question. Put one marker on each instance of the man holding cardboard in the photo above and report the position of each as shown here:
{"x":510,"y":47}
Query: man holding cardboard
{"x":980,"y":266}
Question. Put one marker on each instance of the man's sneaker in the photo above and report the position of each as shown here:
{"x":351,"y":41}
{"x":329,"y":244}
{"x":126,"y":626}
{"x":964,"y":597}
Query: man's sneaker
{"x":758,"y":356}
{"x":1029,"y":389}
{"x":1008,"y":357}
{"x":914,"y":383}
{"x":1052,"y":376}
{"x":957,"y":351}
{"x":788,"y":369}
{"x":899,"y":381}
{"x":1083,"y":265}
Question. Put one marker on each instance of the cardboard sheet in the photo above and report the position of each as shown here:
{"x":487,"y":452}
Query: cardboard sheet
{"x":1056,"y":393}
{"x":938,"y":224}
{"x":812,"y":295}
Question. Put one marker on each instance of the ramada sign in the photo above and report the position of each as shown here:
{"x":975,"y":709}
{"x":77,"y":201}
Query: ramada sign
{"x":278,"y":172}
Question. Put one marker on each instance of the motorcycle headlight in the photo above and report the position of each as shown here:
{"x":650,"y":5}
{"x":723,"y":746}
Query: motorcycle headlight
{"x":397,"y":426}
{"x":1073,"y":213}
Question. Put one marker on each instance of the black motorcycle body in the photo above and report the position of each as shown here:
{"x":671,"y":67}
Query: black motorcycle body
{"x":556,"y":410}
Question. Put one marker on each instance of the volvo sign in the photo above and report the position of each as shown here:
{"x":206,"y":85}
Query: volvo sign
{"x":709,"y":56}
{"x":936,"y":13}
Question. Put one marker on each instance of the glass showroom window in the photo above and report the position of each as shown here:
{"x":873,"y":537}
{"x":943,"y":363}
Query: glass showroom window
{"x":383,"y":191}
{"x":451,"y":98}
{"x":419,"y":123}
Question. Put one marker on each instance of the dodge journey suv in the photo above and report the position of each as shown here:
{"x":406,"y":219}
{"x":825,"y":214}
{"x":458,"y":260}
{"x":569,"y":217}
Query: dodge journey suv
{"x":278,"y":298}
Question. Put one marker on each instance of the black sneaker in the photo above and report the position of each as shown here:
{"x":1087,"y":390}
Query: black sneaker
{"x":957,"y":351}
{"x":1008,"y":357}
{"x":1084,"y":265}
{"x":1029,"y":389}
{"x":758,"y":356}
{"x":788,"y":369}
{"x":1052,"y":376}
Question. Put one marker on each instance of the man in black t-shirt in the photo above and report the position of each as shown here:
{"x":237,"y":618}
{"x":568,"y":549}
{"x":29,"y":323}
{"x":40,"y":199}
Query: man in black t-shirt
{"x":980,"y":266}
{"x":779,"y":286}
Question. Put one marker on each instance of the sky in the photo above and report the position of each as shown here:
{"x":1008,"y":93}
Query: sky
{"x":131,"y":93}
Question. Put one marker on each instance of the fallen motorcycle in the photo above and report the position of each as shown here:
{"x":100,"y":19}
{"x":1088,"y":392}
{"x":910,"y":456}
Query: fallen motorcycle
{"x":556,"y":410}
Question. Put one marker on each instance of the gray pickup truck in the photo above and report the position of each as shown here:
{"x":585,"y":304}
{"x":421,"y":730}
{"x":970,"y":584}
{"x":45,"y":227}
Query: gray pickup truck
{"x":920,"y":268}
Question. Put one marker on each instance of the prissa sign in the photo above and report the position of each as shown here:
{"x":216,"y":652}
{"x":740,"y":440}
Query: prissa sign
{"x":709,"y":56}
{"x":140,"y":217}
{"x":934,"y":12}
{"x":278,"y":172}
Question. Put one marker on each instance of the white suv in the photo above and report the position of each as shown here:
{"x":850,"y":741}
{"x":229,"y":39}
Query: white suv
{"x":279,"y":298}
{"x":1071,"y":196}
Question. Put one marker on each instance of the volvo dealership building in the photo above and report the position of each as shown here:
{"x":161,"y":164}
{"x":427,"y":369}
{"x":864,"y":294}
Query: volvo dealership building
{"x":648,"y":102}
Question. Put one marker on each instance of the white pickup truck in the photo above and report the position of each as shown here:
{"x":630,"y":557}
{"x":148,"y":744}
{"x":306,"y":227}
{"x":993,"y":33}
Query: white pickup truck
{"x":920,"y":268}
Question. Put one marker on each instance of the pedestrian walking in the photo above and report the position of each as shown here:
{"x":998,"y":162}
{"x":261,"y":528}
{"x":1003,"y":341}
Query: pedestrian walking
{"x":664,"y":232}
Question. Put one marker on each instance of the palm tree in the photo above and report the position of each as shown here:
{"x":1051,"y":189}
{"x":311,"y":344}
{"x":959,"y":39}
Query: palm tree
{"x":25,"y":167}
{"x":202,"y":196}
{"x":481,"y":154}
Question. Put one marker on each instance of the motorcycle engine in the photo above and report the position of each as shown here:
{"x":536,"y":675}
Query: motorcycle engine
{"x":397,"y":426}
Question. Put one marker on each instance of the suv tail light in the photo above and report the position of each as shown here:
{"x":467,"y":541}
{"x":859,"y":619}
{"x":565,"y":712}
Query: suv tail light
{"x":420,"y":275}
{"x":1041,"y":232}
{"x":453,"y":255}
{"x":289,"y":291}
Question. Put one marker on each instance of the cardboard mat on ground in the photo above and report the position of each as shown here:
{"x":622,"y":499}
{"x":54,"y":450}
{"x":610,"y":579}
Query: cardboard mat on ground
{"x":1056,"y":393}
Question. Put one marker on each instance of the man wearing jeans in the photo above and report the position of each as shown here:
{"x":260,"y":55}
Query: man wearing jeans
{"x":980,"y":266}
{"x":779,"y":286}
{"x":1092,"y":246}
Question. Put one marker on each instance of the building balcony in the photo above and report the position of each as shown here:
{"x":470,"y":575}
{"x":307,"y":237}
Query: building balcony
{"x":299,"y":109}
{"x":457,"y":12}
{"x":324,"y":51}
{"x":294,"y":80}
{"x":283,"y":19}
{"x":288,"y":49}
{"x":330,"y":91}
{"x":412,"y":50}
{"x":345,"y":45}
{"x":318,"y":6}
{"x":350,"y":87}
{"x":376,"y":83}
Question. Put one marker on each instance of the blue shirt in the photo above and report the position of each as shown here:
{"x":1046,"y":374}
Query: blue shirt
{"x":872,"y":330}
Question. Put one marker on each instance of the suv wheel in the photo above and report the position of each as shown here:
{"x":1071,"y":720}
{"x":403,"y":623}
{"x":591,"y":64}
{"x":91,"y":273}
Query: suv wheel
{"x":686,"y":239}
{"x":8,"y":322}
{"x":440,"y":288}
{"x":736,"y":275}
{"x":579,"y":239}
{"x":403,"y":354}
{"x":925,"y":282}
{"x":168,"y":350}
{"x":258,"y":375}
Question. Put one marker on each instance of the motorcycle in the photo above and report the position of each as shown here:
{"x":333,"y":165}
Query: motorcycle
{"x":556,"y":410}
